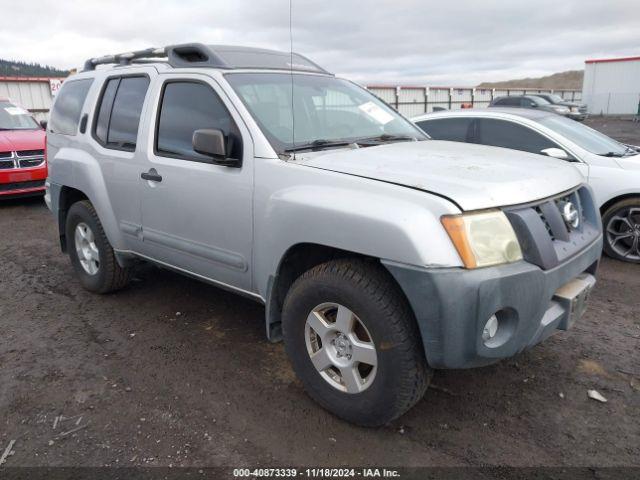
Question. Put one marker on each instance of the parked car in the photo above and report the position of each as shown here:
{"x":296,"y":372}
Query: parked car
{"x":612,"y":169}
{"x":23,"y":168}
{"x":529,"y":101}
{"x":379,"y":255}
{"x":577,"y":111}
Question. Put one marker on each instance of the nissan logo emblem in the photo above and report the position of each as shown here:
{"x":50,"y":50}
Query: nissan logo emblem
{"x":570,"y":215}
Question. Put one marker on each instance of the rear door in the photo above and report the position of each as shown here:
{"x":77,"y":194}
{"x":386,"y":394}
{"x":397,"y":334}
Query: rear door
{"x":197,"y":216}
{"x":115,"y":133}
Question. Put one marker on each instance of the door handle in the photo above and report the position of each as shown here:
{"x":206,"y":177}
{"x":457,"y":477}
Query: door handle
{"x":83,"y":123}
{"x":151,"y":175}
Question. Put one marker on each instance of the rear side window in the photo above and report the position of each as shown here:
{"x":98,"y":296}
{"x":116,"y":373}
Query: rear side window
{"x":452,"y":129}
{"x":500,"y":133}
{"x":189,"y":106}
{"x":508,"y":102}
{"x":119,"y":110}
{"x":104,"y":109}
{"x":65,"y":114}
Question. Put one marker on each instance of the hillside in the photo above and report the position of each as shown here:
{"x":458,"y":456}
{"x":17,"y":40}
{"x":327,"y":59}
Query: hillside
{"x":9,"y":68}
{"x":571,"y":79}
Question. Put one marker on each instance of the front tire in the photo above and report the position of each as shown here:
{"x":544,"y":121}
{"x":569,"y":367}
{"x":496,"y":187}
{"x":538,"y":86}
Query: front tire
{"x":91,"y":253}
{"x":621,"y":224}
{"x":353,"y":342}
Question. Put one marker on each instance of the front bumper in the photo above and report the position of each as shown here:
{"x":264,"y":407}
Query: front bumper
{"x":452,"y":306}
{"x":22,"y":182}
{"x":577,"y":116}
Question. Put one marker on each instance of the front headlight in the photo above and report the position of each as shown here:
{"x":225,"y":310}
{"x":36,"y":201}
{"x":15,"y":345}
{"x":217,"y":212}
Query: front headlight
{"x":575,"y":109}
{"x":483,"y":238}
{"x":561,"y":109}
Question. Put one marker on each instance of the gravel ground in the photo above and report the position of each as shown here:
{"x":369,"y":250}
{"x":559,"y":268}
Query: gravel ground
{"x":622,"y":129}
{"x":175,"y":372}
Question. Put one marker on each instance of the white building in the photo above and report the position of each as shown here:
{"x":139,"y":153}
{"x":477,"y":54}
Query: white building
{"x":612,"y":86}
{"x":33,"y":93}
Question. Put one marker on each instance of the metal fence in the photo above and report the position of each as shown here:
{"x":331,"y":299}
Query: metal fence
{"x":412,"y":101}
{"x":36,"y":94}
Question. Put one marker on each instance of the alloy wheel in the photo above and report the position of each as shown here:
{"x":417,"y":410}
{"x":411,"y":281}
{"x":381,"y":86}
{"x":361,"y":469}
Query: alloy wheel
{"x":341,"y":348}
{"x":88,"y":253}
{"x":623,"y":233}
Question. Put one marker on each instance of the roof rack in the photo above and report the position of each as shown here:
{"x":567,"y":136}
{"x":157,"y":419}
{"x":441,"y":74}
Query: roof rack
{"x":213,"y":56}
{"x":124,"y":58}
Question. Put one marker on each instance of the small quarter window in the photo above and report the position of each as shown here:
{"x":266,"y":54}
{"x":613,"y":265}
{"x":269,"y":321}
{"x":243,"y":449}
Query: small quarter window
{"x":67,"y":108}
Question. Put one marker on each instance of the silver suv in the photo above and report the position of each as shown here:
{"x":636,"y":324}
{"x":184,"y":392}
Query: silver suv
{"x":379,"y":254}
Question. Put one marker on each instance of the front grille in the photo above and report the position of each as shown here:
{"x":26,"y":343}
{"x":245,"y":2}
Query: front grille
{"x":21,"y":159}
{"x":546,"y":237}
{"x":583,"y":109}
{"x":30,"y":153}
{"x":5,"y":187}
{"x":544,"y":220}
{"x":31,"y":162}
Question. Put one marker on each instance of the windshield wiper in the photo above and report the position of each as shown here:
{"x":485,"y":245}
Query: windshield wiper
{"x":386,"y":137}
{"x":323,"y":143}
{"x":318,"y":144}
{"x":612,"y":154}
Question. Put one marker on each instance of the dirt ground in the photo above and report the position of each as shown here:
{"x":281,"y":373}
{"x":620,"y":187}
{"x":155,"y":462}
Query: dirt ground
{"x":174,"y":372}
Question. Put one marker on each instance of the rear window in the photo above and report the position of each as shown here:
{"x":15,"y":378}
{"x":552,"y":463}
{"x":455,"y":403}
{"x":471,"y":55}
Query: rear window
{"x":452,"y":129}
{"x":119,"y":111}
{"x":65,"y":114}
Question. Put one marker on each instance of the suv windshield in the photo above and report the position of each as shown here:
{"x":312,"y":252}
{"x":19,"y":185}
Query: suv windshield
{"x":587,"y":138}
{"x":328,"y":111}
{"x":16,"y":118}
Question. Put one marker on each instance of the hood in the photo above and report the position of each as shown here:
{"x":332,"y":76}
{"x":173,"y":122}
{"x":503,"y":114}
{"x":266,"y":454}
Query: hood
{"x":631,"y":162}
{"x":472,"y":176}
{"x":17,"y":140}
{"x":567,"y":103}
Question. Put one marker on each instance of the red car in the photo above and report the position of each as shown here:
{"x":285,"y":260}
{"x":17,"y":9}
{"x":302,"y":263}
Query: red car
{"x":23,"y":167}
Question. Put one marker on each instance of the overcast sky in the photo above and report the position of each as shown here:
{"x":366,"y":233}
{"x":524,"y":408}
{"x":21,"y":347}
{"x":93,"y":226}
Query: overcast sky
{"x":377,"y":41}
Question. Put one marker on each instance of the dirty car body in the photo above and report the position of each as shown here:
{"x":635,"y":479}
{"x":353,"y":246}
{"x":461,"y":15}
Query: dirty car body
{"x":273,"y":197}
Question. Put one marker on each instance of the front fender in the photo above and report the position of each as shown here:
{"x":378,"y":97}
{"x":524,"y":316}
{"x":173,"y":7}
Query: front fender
{"x":349,"y":213}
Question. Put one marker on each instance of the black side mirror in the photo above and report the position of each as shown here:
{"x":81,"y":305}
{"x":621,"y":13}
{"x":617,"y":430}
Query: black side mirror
{"x":43,"y":124}
{"x":211,"y":142}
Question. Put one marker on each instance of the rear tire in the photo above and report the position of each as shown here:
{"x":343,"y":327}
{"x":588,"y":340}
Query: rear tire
{"x":91,"y":253}
{"x":382,"y":346}
{"x":621,"y":225}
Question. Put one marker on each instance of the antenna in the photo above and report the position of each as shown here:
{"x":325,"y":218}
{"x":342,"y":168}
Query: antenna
{"x":293,"y":114}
